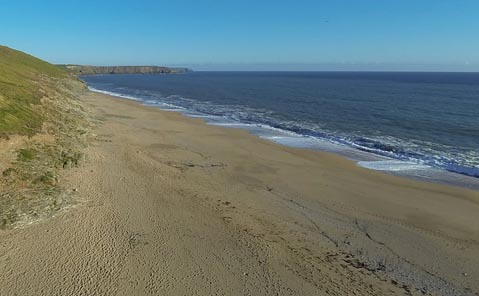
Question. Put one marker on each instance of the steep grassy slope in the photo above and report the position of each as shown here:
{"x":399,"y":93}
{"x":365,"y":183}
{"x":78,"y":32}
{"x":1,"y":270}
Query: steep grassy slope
{"x":42,"y":131}
{"x":23,"y":80}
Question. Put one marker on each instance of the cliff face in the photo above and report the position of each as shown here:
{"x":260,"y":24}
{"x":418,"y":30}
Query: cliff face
{"x":92,"y":70}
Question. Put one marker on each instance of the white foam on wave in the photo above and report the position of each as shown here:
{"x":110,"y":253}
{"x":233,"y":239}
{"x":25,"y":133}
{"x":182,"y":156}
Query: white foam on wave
{"x":114,"y":94}
{"x":162,"y":105}
{"x":300,"y":141}
{"x":232,"y":124}
{"x":392,"y":165}
{"x":194,"y":115}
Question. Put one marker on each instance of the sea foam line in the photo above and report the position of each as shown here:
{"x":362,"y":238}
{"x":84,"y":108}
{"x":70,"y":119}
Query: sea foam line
{"x":114,"y":94}
{"x":392,"y":165}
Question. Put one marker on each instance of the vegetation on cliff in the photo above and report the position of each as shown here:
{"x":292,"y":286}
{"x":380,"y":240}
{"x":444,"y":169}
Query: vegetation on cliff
{"x":43,"y":128}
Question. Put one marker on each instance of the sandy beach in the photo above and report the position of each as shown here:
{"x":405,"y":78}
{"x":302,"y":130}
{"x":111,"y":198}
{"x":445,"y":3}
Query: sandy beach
{"x":167,"y":205}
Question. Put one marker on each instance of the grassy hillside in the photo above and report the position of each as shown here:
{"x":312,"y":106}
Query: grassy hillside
{"x":23,"y":80}
{"x":42,"y":130}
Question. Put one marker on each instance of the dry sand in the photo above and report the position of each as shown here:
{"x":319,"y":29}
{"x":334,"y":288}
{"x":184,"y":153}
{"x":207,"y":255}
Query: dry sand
{"x":168,"y":205}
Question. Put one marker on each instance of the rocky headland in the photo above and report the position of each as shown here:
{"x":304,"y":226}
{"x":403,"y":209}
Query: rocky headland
{"x":94,"y":70}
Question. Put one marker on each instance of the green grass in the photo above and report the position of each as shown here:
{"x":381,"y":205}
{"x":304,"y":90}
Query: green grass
{"x":24,"y":80}
{"x":26,"y":154}
{"x":37,"y":98}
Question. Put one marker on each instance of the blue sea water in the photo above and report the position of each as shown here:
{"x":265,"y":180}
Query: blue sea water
{"x":419,"y":124}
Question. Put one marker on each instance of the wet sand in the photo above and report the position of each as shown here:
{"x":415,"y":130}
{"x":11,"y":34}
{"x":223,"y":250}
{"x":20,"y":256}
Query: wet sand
{"x":168,"y":205}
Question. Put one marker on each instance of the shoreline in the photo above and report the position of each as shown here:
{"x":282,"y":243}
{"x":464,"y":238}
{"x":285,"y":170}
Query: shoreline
{"x":365,"y":159}
{"x":171,"y":205}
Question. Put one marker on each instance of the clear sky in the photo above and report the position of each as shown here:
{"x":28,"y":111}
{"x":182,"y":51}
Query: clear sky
{"x":249,"y":35}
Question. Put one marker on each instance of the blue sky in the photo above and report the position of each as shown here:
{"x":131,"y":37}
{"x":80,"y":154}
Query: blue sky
{"x":249,"y":35}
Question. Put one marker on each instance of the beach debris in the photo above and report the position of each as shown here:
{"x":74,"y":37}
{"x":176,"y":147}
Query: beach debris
{"x":218,"y":164}
{"x":464,"y":273}
{"x":75,"y":189}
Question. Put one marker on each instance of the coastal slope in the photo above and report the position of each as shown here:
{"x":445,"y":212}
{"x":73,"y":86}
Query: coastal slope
{"x":42,"y":130}
{"x":24,"y":79}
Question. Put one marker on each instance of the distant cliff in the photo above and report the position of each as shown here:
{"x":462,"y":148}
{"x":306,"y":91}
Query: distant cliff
{"x":92,"y":70}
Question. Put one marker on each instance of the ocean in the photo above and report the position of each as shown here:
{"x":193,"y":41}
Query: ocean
{"x":422,"y":125}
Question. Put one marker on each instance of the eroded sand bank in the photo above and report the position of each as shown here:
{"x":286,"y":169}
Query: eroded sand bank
{"x":168,"y":205}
